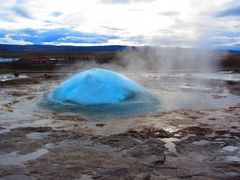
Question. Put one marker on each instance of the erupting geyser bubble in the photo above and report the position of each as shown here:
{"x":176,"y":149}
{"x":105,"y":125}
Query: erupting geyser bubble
{"x":95,"y":87}
{"x":100,"y":91}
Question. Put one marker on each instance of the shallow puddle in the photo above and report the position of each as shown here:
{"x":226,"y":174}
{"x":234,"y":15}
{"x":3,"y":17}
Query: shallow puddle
{"x":170,"y":145}
{"x":232,"y":158}
{"x":37,"y":135}
{"x":13,"y":158}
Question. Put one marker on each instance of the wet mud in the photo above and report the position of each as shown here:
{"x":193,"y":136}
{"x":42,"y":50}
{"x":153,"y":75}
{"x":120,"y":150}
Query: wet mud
{"x":175,"y":144}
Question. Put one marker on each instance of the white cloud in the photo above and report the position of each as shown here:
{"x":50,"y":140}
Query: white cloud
{"x":9,"y":40}
{"x":183,"y":21}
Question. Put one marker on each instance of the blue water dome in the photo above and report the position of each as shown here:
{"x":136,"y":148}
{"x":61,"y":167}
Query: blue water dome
{"x":96,"y":87}
{"x":100,"y":94}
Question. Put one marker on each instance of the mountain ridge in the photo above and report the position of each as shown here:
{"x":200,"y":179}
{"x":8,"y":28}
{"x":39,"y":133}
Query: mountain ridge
{"x":54,"y":48}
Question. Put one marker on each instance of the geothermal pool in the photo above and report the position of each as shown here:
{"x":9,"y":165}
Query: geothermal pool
{"x":191,"y":90}
{"x":162,"y":92}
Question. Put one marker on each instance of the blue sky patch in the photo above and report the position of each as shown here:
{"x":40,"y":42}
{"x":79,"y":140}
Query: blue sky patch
{"x":21,"y":12}
{"x":56,"y":14}
{"x":61,"y":35}
{"x":232,"y":11}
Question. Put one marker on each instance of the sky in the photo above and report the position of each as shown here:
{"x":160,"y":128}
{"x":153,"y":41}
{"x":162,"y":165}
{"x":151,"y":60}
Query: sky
{"x":167,"y":23}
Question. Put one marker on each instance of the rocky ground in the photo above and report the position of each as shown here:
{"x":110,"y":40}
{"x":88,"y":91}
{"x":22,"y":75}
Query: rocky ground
{"x":180,"y":144}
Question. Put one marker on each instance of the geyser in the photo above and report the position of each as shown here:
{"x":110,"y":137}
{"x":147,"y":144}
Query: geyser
{"x":96,"y":87}
{"x":97,"y":93}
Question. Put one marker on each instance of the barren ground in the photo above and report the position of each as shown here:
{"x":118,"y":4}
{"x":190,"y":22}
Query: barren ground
{"x":174,"y":144}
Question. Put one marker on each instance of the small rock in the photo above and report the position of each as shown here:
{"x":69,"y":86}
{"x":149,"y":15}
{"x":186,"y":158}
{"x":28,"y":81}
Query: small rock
{"x":1,"y":128}
{"x":100,"y":124}
{"x":201,"y":142}
{"x":153,"y":159}
{"x":143,"y":176}
{"x":231,"y":173}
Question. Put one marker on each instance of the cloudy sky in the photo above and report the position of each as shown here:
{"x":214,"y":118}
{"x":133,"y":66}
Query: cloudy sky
{"x":181,"y":23}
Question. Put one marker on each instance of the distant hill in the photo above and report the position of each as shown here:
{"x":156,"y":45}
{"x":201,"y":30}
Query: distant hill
{"x":76,"y":49}
{"x":51,"y":48}
{"x":228,"y":59}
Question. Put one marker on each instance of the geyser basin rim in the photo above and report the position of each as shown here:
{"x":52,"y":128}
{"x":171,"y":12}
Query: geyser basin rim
{"x":141,"y":104}
{"x":95,"y":87}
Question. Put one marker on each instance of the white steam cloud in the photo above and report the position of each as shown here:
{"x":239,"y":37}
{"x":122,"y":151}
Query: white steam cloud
{"x":158,"y":59}
{"x":170,"y":59}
